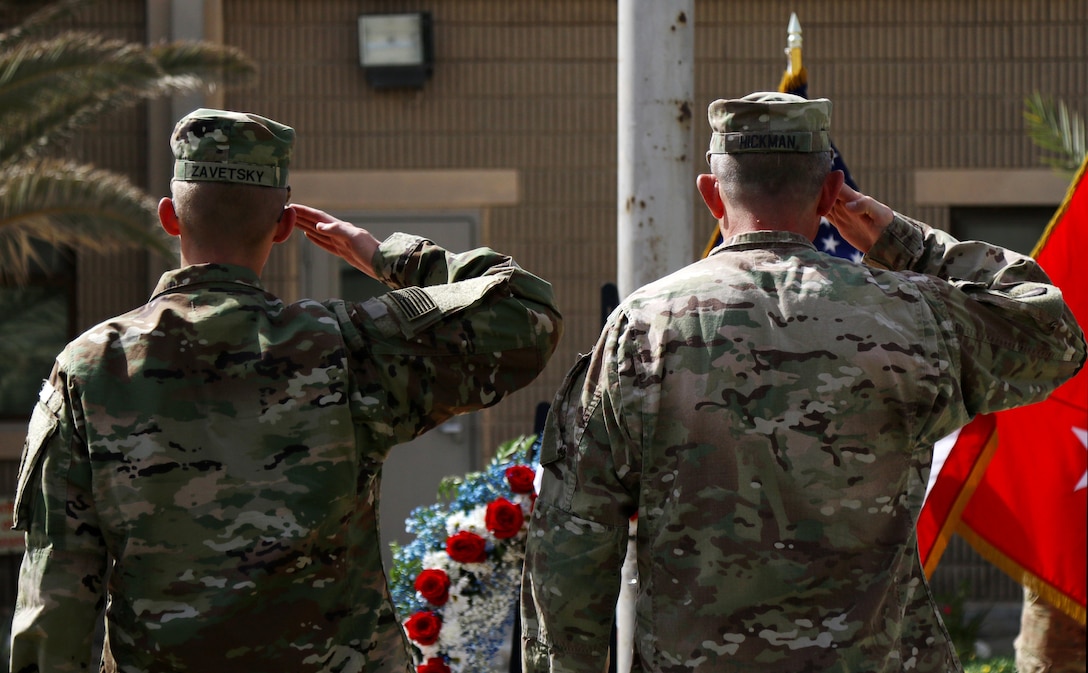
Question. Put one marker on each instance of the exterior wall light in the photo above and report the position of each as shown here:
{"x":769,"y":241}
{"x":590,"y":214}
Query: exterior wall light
{"x":396,"y":50}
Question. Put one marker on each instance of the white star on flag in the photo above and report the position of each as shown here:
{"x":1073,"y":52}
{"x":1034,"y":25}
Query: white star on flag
{"x":829,"y":240}
{"x":1082,"y":435}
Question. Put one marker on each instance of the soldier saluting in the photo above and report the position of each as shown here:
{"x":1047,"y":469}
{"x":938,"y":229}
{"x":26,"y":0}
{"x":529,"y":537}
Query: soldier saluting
{"x":769,"y":414}
{"x":207,"y":466}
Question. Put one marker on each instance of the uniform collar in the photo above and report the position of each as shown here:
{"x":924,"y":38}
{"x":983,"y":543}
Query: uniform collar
{"x":204,"y":274}
{"x":763,"y":239}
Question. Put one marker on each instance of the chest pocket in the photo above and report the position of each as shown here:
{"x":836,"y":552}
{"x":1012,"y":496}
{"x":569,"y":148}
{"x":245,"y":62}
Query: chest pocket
{"x":43,"y":426}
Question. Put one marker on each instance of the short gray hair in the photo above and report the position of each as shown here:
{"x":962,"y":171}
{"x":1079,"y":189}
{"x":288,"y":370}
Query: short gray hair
{"x":759,"y":179}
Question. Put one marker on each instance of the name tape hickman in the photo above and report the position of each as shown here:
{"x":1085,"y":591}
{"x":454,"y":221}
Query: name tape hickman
{"x":246,"y":174}
{"x":798,"y":141}
{"x":769,"y":141}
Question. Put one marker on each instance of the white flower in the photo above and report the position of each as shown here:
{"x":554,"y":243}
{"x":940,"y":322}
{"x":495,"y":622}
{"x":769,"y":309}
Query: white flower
{"x":437,"y":559}
{"x":469,"y":521}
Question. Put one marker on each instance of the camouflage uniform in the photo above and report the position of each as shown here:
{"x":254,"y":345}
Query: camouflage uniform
{"x":211,"y":461}
{"x":769,"y":412}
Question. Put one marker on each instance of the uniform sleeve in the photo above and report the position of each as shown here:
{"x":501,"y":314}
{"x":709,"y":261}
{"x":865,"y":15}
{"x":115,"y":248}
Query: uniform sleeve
{"x":1011,"y":338}
{"x":578,"y":536}
{"x":459,"y":332}
{"x":61,"y":590}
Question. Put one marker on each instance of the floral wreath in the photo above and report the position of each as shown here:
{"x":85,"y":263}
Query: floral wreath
{"x":459,"y":580}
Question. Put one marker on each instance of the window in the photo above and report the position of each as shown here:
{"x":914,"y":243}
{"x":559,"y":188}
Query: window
{"x":1017,"y":228}
{"x":36,"y":322}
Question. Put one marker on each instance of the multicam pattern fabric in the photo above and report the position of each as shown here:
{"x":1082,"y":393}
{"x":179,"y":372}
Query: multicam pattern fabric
{"x":224,"y":449}
{"x":768,"y":413}
{"x":769,"y":122}
{"x":224,"y":146}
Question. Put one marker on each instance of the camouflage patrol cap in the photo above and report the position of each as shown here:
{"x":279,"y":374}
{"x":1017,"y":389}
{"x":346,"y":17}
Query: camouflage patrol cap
{"x":238,"y":147}
{"x":769,"y":122}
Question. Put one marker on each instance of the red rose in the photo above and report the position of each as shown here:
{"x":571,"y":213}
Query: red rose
{"x":466,"y":547}
{"x":504,"y":518}
{"x":520,"y":478}
{"x":434,"y":585}
{"x":423,"y":627}
{"x":433,"y":665}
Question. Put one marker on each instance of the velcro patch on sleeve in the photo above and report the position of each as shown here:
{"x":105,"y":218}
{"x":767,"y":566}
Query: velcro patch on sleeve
{"x":414,"y":303}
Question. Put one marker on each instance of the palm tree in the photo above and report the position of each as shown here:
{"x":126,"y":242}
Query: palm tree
{"x":1052,"y":127}
{"x":54,"y":84}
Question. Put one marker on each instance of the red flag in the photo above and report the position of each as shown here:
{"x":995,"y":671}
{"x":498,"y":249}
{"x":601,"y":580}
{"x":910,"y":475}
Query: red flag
{"x":1028,"y":514}
{"x":959,"y":461}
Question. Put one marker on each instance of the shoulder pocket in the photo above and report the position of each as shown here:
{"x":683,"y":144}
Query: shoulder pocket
{"x":411,"y":310}
{"x":43,"y":425}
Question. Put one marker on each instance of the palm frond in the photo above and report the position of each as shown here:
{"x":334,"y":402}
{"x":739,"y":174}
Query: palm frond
{"x":39,"y":22}
{"x":38,"y":77}
{"x":53,"y":125}
{"x":50,"y":89}
{"x":52,"y":85}
{"x":71,"y":205}
{"x":1052,"y":127}
{"x":191,"y":65}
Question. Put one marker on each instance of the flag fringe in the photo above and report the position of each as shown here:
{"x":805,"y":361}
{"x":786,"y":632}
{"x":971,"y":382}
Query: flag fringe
{"x":793,"y":80}
{"x":1060,"y":212}
{"x":952,"y":521}
{"x":1047,"y":591}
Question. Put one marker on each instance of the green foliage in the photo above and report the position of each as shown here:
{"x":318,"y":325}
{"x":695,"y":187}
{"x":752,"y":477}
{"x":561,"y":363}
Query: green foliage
{"x":402,"y":573}
{"x":54,"y":83}
{"x":994,"y":665}
{"x":518,"y":449}
{"x":963,"y":629}
{"x":1052,"y":127}
{"x":68,"y":205}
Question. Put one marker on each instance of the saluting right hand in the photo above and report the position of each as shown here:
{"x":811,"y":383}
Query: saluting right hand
{"x":859,"y":218}
{"x":353,"y":244}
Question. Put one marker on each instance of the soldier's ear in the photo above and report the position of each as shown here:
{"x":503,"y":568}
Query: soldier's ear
{"x":285,"y":224}
{"x":168,"y":217}
{"x":712,"y":196}
{"x":830,"y":191}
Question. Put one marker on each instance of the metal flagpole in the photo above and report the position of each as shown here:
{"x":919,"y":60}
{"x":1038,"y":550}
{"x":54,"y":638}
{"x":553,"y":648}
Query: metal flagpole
{"x":655,"y":176}
{"x":655,"y":181}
